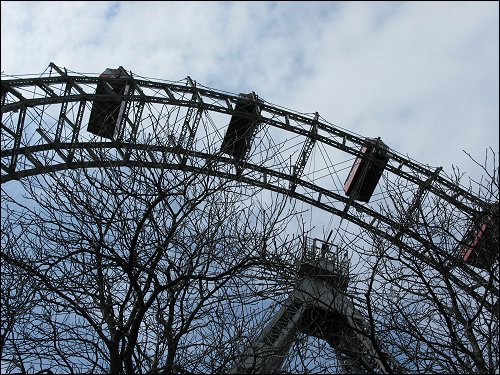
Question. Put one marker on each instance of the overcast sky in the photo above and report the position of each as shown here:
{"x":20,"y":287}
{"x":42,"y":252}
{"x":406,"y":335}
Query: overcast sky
{"x":422,"y":76}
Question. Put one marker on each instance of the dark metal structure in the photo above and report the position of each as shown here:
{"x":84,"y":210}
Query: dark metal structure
{"x":107,"y":113}
{"x":119,"y":119}
{"x":319,"y":306}
{"x":242,"y":127}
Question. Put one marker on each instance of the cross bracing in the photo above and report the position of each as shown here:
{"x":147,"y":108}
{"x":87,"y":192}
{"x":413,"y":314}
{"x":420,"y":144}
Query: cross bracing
{"x":46,"y":91}
{"x":180,"y":126}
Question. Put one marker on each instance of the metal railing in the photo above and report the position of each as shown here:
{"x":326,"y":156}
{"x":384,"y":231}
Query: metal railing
{"x":314,"y":249}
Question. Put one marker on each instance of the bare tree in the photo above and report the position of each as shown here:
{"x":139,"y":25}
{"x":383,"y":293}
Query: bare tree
{"x":133,"y":270}
{"x":435,"y":312}
{"x":426,"y":309}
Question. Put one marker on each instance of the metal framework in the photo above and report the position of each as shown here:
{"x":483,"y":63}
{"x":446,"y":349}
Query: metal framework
{"x":181,"y":125}
{"x":318,"y":306}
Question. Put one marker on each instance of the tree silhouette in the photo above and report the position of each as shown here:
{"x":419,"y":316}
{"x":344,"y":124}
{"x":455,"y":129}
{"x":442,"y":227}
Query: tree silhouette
{"x":134,"y":270}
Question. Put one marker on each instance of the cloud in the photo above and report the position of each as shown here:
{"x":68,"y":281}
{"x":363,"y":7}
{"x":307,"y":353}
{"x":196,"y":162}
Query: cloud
{"x":419,"y":76}
{"x":423,"y":76}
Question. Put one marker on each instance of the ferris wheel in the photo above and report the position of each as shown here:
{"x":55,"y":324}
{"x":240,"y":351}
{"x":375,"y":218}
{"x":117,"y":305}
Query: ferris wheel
{"x":64,"y":120}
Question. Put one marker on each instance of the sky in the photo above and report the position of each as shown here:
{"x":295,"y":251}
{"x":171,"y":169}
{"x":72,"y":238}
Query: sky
{"x":423,"y":76}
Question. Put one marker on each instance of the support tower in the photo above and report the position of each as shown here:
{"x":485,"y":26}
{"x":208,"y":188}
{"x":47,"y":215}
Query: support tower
{"x":318,"y":306}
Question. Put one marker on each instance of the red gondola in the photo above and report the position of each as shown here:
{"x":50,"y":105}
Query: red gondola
{"x":366,"y":171}
{"x":481,"y":242}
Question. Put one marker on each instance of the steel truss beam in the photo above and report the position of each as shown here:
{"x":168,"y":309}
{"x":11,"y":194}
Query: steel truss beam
{"x":277,"y":117}
{"x":202,"y":101}
{"x":305,"y":152}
